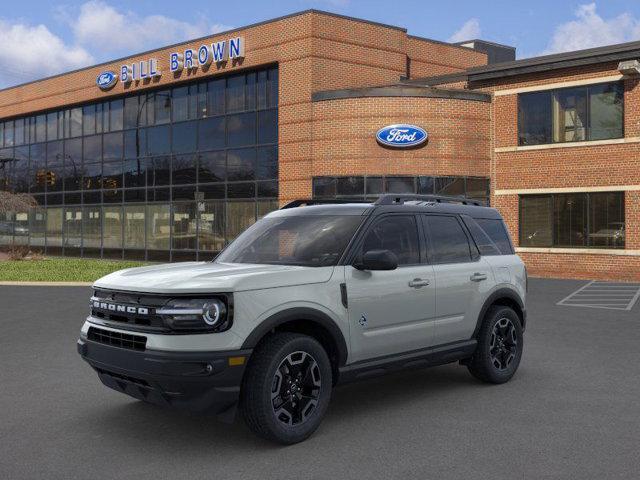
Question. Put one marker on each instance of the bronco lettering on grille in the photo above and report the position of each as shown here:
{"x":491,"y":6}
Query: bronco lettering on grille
{"x":120,"y":308}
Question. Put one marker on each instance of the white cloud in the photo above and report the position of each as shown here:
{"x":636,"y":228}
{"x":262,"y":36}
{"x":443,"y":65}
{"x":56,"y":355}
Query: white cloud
{"x":98,"y":32}
{"x":591,"y":30}
{"x":28,"y":52}
{"x":108,"y":30}
{"x":469,"y":31}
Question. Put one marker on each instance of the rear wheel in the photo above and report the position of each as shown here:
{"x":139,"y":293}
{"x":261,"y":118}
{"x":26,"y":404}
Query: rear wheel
{"x":287,"y":388}
{"x":500,"y":343}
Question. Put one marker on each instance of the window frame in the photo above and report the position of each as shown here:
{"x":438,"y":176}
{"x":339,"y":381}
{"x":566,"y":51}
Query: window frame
{"x":552,"y":93}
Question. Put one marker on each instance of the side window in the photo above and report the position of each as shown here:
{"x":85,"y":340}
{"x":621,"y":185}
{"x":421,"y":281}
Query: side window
{"x":497,"y":232}
{"x":449,"y":243}
{"x":398,"y":234}
{"x":485,"y":244}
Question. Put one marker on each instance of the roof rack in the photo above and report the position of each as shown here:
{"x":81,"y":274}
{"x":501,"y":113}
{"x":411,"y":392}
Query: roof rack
{"x":391,"y":199}
{"x":308,"y":202}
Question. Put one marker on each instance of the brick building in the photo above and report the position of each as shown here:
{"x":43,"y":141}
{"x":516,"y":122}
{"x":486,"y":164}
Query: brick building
{"x":169,"y":154}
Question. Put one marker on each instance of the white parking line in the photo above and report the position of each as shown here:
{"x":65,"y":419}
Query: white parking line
{"x":612,"y":296}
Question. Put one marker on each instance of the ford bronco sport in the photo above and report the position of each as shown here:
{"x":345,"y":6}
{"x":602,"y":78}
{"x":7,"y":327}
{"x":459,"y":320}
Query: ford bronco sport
{"x":311,"y":295}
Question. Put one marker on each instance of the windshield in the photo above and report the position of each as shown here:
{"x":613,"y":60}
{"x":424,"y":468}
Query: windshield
{"x":311,"y":241}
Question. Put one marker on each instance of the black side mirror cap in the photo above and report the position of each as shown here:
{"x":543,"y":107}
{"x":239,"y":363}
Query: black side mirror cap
{"x":377,"y":260}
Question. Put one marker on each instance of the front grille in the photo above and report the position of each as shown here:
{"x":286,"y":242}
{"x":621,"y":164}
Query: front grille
{"x":148,"y":321}
{"x":117,"y":339}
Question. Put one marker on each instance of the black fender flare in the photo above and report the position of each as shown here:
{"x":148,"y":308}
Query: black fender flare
{"x":493,"y":298}
{"x":296,"y":314}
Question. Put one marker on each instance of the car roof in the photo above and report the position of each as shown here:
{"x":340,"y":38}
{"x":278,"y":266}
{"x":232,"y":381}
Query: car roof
{"x":364,"y":208}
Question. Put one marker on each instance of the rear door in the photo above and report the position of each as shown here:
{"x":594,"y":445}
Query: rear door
{"x":391,"y":311}
{"x":463,"y":278}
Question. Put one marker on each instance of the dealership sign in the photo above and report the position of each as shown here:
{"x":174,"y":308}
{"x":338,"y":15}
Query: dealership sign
{"x":106,"y":80}
{"x":401,"y":136}
{"x":189,"y":59}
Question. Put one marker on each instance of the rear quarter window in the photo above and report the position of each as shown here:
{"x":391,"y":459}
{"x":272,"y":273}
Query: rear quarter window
{"x":497,"y":232}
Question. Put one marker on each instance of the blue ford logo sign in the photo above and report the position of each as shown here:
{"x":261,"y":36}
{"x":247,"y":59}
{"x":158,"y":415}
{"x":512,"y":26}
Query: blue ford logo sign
{"x":401,"y":136}
{"x":106,"y":80}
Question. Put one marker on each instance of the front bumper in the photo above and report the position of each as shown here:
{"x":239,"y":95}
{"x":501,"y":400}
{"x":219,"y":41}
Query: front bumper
{"x":197,"y":381}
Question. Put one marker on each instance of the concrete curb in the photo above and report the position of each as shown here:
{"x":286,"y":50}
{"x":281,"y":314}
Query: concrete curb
{"x":48,"y":284}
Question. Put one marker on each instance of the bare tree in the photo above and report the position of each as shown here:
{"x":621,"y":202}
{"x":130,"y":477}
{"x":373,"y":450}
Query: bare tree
{"x":16,"y":202}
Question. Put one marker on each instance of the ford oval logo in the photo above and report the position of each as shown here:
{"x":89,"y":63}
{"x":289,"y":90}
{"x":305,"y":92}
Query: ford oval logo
{"x":106,"y":80}
{"x":401,"y":136}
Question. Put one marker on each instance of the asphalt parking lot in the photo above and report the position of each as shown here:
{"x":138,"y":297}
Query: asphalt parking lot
{"x":572,"y":411}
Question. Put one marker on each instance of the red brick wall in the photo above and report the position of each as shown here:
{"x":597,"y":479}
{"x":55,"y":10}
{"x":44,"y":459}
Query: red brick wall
{"x":568,"y":167}
{"x":344,"y":137}
{"x":429,"y":58}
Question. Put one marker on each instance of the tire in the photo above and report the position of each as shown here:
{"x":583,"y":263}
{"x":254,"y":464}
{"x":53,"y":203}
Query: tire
{"x":500,"y":343}
{"x":287,"y":387}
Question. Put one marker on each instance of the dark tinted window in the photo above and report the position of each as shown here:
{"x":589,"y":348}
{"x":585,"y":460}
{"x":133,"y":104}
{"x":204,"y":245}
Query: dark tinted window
{"x":211,"y":133}
{"x":397,"y":234}
{"x":400,"y":185}
{"x":184,"y":137}
{"x":448,"y":242}
{"x":241,"y":129}
{"x":534,"y":118}
{"x":159,"y":140}
{"x":573,"y":220}
{"x":497,"y":232}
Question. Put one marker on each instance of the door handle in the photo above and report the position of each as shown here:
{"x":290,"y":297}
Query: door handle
{"x":478,"y":277}
{"x":418,"y":283}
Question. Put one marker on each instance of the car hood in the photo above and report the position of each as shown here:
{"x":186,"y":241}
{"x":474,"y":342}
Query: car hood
{"x":200,"y":277}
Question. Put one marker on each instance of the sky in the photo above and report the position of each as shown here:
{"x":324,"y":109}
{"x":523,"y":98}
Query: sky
{"x":39,"y":38}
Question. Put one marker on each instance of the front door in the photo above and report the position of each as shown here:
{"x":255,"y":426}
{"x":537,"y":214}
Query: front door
{"x":391,"y":311}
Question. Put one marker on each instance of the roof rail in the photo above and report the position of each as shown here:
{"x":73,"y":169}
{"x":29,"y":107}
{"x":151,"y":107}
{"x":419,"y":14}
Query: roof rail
{"x":308,"y":202}
{"x":390,"y":199}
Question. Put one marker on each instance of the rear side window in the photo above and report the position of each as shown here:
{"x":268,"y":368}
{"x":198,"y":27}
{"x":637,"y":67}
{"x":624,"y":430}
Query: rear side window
{"x":448,"y":242}
{"x":486,"y":246}
{"x":398,"y":234}
{"x":497,"y":232}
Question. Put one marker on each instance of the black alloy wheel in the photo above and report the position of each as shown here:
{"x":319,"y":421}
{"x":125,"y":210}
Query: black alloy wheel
{"x":504,"y":344}
{"x":500,"y":346}
{"x":296,"y":388}
{"x":287,"y":387}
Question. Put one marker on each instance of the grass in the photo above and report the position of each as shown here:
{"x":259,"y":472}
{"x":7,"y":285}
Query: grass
{"x":60,"y":269}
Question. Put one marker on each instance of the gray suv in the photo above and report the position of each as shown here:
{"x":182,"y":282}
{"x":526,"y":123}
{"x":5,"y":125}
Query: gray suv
{"x":313,"y":295}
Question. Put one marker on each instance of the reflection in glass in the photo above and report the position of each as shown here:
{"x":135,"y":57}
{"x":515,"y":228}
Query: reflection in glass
{"x":134,"y":226}
{"x":72,"y":227}
{"x":92,"y":227}
{"x":241,"y":164}
{"x":37,"y":226}
{"x":241,"y":129}
{"x":112,"y":227}
{"x":184,"y":226}
{"x":211,"y":133}
{"x":54,"y":227}
{"x":211,"y":227}
{"x":240,"y":215}
{"x":158,"y":227}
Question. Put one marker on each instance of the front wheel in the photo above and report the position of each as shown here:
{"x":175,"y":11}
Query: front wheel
{"x":499,"y":349}
{"x":287,"y":388}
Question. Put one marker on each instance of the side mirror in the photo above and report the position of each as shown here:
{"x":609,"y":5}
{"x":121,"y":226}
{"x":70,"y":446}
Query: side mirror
{"x":378,"y":260}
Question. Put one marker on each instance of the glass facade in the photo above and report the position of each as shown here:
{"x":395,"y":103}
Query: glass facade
{"x":573,"y":220}
{"x":169,"y":174}
{"x":370,"y":187}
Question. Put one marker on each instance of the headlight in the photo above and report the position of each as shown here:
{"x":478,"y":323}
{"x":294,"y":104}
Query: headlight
{"x":195,"y":314}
